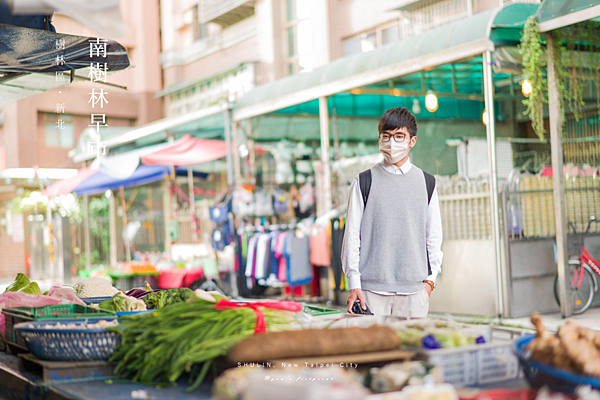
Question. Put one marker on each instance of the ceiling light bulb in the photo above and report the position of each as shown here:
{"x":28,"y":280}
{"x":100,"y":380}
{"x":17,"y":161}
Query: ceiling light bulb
{"x":431,"y":102}
{"x":526,"y":88}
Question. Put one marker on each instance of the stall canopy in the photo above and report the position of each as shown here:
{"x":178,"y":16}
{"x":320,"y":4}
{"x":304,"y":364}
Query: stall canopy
{"x":554,"y":14}
{"x":101,"y":182}
{"x":187,"y":150}
{"x":124,"y":170}
{"x":29,"y":60}
{"x":446,"y":59}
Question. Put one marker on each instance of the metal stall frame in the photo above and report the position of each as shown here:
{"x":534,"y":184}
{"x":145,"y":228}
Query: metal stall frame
{"x":326,"y":81}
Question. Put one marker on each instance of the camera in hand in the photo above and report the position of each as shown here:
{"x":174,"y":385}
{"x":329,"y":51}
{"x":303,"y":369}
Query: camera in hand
{"x":357,"y":309}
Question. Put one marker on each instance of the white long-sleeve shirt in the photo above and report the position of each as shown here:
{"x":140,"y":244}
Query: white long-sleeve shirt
{"x":351,"y":242}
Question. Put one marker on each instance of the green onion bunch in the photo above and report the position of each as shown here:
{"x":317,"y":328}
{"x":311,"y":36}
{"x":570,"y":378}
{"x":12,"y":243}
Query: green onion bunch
{"x":160,"y":346}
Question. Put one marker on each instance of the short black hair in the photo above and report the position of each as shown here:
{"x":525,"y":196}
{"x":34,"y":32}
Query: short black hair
{"x":396,"y":118}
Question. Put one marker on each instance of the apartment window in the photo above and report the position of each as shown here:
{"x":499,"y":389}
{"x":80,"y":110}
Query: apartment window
{"x":191,"y":19}
{"x":371,"y":39}
{"x":59,"y":130}
{"x":299,"y":36}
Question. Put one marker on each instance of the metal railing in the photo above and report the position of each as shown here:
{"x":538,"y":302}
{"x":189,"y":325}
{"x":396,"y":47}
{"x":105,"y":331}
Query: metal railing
{"x":212,"y":9}
{"x":465,"y":209}
{"x":529,"y":205}
{"x":204,"y":228}
{"x":430,"y":14}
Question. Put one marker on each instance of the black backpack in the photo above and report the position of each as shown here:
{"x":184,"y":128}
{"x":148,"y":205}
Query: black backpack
{"x":364,"y":179}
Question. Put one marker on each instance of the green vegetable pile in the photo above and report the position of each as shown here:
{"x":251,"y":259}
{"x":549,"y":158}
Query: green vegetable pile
{"x":160,"y":346}
{"x":446,"y":335}
{"x":23,"y":284}
{"x":157,"y":300}
{"x":121,"y":302}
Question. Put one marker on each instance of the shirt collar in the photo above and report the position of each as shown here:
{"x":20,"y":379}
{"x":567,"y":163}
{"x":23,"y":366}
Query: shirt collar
{"x":394,"y":170}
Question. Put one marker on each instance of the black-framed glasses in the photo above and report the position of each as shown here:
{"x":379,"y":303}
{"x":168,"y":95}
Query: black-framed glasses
{"x":398,"y":137}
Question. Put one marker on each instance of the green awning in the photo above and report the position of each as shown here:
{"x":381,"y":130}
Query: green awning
{"x":554,"y":14}
{"x":463,"y":40}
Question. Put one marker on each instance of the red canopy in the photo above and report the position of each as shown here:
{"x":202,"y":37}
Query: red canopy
{"x":187,"y":150}
{"x":66,"y":186}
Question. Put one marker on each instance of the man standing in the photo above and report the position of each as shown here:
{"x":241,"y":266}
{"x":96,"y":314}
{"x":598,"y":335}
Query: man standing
{"x":391,"y":252}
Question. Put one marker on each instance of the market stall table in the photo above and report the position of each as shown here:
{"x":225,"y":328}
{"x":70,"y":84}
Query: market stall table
{"x":128,"y":281}
{"x":17,"y":384}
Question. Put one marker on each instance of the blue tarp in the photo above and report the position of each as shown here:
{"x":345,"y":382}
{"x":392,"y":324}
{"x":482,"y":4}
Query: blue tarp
{"x":100,"y":182}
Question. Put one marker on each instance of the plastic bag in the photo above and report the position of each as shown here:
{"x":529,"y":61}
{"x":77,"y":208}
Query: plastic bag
{"x":66,"y":293}
{"x":20,"y":299}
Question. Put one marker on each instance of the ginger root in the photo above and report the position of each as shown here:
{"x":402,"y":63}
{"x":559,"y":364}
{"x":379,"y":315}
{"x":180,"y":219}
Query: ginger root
{"x":572,"y":348}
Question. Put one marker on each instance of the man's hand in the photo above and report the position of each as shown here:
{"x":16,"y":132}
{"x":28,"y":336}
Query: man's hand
{"x":428,"y":288}
{"x":356,"y":294}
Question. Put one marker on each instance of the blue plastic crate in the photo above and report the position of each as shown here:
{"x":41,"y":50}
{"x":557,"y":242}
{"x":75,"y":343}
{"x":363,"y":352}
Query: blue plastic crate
{"x":538,"y":374}
{"x":69,"y":344}
{"x":128,"y":313}
{"x":94,"y":300}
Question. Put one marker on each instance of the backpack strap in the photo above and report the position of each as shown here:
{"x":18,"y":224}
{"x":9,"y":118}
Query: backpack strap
{"x":364,"y":180}
{"x":430,"y":183}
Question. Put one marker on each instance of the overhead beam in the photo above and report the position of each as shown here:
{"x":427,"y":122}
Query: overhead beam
{"x":570,"y":19}
{"x":410,"y":66}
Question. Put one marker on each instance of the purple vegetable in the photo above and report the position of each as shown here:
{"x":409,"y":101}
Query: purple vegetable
{"x":480,"y":340}
{"x":429,"y":342}
{"x":140,"y":293}
{"x":136,"y":293}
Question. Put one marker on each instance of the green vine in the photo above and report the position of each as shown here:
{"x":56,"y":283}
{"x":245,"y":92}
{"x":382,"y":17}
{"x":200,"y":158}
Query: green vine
{"x":534,"y":62}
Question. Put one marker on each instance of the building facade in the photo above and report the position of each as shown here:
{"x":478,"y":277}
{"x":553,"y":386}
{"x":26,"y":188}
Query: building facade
{"x":30,"y":134}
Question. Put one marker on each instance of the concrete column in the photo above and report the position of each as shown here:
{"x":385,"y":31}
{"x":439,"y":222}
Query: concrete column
{"x":192,"y":204}
{"x":502,"y":298}
{"x":86,"y":232}
{"x":227,"y":117}
{"x":558,"y":181}
{"x":112,"y":223}
{"x":167,"y":215}
{"x":326,"y":170}
{"x":236,"y":153}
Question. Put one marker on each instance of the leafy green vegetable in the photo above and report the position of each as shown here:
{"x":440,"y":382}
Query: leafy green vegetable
{"x":32,"y":288}
{"x":20,"y":282}
{"x":160,"y":346}
{"x":121,"y":302}
{"x":157,"y":300}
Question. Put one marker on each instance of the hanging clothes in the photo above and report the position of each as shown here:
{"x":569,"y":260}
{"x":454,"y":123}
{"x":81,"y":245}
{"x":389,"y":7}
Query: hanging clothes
{"x":221,"y":237}
{"x":251,"y":256}
{"x":300,"y":268}
{"x":320,"y":250}
{"x":262,"y":256}
{"x":279,"y":254}
{"x":337,"y":237}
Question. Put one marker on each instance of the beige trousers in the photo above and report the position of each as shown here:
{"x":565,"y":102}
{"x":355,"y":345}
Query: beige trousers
{"x":406,"y":306}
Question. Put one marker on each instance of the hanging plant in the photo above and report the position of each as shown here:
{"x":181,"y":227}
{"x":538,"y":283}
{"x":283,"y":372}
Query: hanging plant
{"x":534,"y":62}
{"x":560,"y":71}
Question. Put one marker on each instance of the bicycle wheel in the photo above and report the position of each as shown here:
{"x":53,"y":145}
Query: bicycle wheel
{"x":582,"y":296}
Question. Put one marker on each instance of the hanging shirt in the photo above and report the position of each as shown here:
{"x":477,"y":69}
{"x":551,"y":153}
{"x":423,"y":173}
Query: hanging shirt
{"x":273,"y":261}
{"x":319,"y":246}
{"x":281,"y":264}
{"x":261,"y":256}
{"x":300,"y":269}
{"x":251,"y":255}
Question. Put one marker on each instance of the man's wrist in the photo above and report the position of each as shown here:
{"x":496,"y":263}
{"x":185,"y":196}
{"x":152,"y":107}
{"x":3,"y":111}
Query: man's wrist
{"x":430,"y":283}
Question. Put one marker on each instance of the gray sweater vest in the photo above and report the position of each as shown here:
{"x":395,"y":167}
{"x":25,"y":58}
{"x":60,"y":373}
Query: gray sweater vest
{"x":393,"y":244}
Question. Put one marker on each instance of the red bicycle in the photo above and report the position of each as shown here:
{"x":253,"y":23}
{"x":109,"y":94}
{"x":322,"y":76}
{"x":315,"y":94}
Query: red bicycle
{"x":581,"y":273}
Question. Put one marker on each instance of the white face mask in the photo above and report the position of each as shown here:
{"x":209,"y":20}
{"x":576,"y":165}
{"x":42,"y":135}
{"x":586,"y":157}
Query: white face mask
{"x":393,"y":151}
